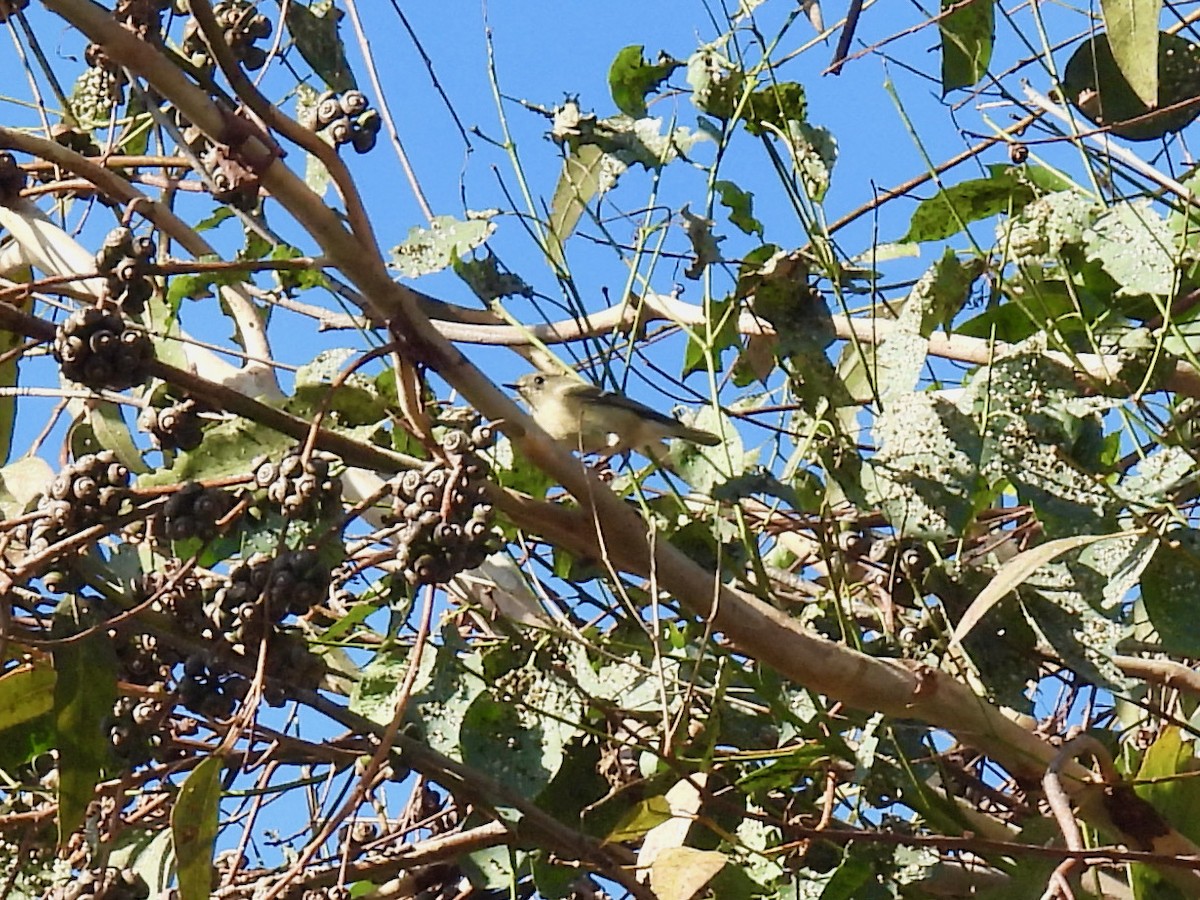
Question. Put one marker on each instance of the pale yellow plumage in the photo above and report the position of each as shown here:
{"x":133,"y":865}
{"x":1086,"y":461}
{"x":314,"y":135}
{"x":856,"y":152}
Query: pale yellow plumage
{"x":596,"y":421}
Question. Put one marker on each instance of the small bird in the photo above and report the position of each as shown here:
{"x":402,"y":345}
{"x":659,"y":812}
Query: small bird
{"x":597,"y":421}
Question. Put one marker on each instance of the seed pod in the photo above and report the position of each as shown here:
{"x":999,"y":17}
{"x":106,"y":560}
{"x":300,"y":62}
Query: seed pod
{"x":340,"y":131}
{"x":84,"y":488}
{"x":353,"y":102}
{"x":327,"y":109}
{"x":265,"y":473}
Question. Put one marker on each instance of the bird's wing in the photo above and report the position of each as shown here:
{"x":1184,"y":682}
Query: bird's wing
{"x":592,"y":395}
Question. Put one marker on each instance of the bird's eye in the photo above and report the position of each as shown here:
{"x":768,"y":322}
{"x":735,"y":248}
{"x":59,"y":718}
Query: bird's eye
{"x":539,"y":380}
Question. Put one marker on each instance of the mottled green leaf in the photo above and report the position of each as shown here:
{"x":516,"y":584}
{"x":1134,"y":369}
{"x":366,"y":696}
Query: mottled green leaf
{"x":355,"y":400}
{"x":951,"y":210}
{"x":429,"y":250}
{"x":194,"y":828}
{"x":1134,"y":244}
{"x":925,"y":475}
{"x":315,"y":29}
{"x":488,"y":281}
{"x":814,"y":151}
{"x":228,"y":449}
{"x":775,"y":105}
{"x":1094,"y":84}
{"x":715,"y":81}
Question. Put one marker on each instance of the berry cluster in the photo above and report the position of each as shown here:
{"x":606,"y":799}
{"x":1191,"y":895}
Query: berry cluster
{"x":133,"y":729}
{"x":90,"y":490}
{"x":262,"y":592}
{"x":174,"y":427}
{"x":124,"y":261}
{"x":302,"y":488}
{"x":208,"y":691}
{"x":102,"y":884}
{"x":242,"y":26}
{"x":96,"y":348}
{"x":143,"y":659}
{"x":193,"y":512}
{"x":345,"y":118}
{"x":444,"y":516}
{"x":182,"y":599}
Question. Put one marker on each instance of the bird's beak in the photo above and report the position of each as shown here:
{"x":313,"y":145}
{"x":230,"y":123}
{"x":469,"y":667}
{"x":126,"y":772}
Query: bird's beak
{"x":512,"y":387}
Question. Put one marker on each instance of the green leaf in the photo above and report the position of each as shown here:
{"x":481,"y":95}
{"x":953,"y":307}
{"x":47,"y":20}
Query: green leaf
{"x":1135,"y":246}
{"x":599,"y":151}
{"x":488,"y":282}
{"x":1095,"y":85}
{"x":777,"y":105}
{"x":199,"y":285}
{"x":1169,"y":591}
{"x":194,"y":828}
{"x":228,"y":449}
{"x":315,"y":28}
{"x":440,"y":706}
{"x":967,"y":35}
{"x":9,"y":370}
{"x":553,"y":882}
{"x":934,"y":300}
{"x":1040,"y":436}
{"x":296,"y":279}
{"x":631,"y":77}
{"x":492,"y":869}
{"x":1132,"y":26}
{"x":112,"y":433}
{"x":356,"y":401}
{"x":1047,"y":228}
{"x":429,"y":250}
{"x":741,"y":207}
{"x":715,"y":81}
{"x":532,"y":715}
{"x":814,"y":151}
{"x":26,"y":693}
{"x":21,"y":482}
{"x":704,"y":242}
{"x":149,"y":854}
{"x":680,"y":873}
{"x":84,"y":692}
{"x":1167,"y":781}
{"x":647,"y":814}
{"x":23,"y":743}
{"x":583,"y":177}
{"x":949,"y":211}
